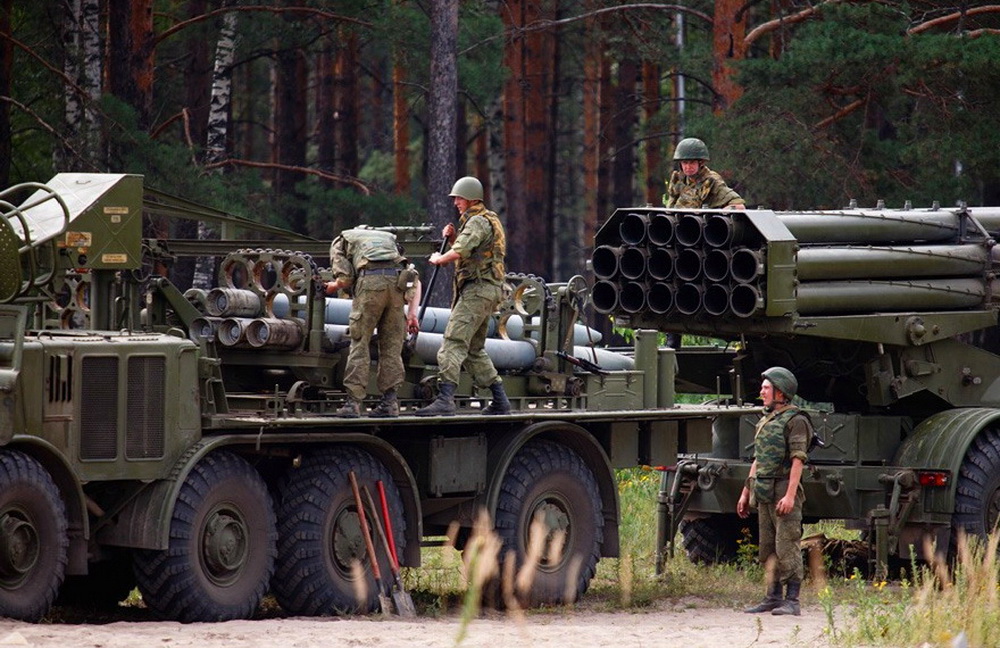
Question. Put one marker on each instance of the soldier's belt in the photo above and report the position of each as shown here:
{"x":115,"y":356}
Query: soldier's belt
{"x":380,"y":271}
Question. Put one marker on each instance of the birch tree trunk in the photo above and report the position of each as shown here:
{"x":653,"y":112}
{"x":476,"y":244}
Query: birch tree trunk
{"x":72,"y":20}
{"x":217,"y":132}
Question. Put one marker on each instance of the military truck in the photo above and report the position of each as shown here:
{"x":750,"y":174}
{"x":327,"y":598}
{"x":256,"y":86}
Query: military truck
{"x":185,"y":442}
{"x":888,"y":319}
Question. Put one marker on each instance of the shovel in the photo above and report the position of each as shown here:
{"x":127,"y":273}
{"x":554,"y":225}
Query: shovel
{"x":400,"y":597}
{"x":425,"y":298}
{"x":384,"y":603}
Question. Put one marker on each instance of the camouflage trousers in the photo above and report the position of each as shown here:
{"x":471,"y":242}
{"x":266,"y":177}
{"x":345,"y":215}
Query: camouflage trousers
{"x":378,"y":303}
{"x":465,"y":335}
{"x":780,"y":535}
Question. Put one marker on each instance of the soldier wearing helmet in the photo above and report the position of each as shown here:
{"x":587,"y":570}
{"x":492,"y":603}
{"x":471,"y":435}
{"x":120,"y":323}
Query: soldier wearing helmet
{"x":478,"y":249}
{"x":694,"y":184}
{"x":781,"y":443}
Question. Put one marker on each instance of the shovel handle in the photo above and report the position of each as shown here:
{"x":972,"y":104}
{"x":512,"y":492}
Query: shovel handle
{"x":364,"y":527}
{"x":379,"y":529}
{"x":388,"y":523}
{"x":425,"y":297}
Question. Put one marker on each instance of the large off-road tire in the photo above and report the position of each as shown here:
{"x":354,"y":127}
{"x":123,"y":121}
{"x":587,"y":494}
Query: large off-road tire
{"x":551,"y":481}
{"x":977,"y":492}
{"x":222,"y":546}
{"x":33,"y":538}
{"x":319,"y":535}
{"x":715,"y":539}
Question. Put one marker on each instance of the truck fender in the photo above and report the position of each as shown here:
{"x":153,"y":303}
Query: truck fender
{"x":583,"y":443}
{"x":72,"y":493}
{"x":145,"y":522}
{"x":940,"y":442}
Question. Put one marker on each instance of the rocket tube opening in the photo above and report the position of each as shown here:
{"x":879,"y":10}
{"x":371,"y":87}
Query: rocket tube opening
{"x":661,"y":263}
{"x":716,"y":299}
{"x":633,"y":228}
{"x":633,"y":263}
{"x":689,"y":298}
{"x":604,"y":261}
{"x":690,"y":263}
{"x":660,"y":298}
{"x":633,"y":297}
{"x":745,"y":300}
{"x":690,"y":229}
{"x":605,"y":296}
{"x":661,"y":229}
{"x":746,"y":264}
{"x":717,"y":264}
{"x":718,"y":230}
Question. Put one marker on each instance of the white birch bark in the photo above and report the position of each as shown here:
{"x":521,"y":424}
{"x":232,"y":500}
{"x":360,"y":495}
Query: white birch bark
{"x":218,"y":128}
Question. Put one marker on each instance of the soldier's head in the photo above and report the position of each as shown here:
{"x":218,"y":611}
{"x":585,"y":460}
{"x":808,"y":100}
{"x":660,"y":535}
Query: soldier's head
{"x":467,"y":190}
{"x":692,"y":154}
{"x":778,"y":386}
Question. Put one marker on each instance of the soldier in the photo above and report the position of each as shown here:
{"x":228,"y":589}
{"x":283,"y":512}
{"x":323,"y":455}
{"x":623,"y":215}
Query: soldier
{"x":695,"y":185}
{"x":478,"y":252}
{"x":371,"y":262}
{"x":781,"y":442}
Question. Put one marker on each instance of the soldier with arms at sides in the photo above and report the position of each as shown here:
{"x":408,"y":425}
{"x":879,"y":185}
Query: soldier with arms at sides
{"x":781,"y":444}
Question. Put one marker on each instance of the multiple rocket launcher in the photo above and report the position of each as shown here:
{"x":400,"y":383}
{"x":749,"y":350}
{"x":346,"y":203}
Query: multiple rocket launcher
{"x":676,"y":269}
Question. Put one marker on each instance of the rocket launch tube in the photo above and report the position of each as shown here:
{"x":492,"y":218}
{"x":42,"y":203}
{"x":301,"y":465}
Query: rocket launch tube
{"x":886,"y":262}
{"x":823,"y":297}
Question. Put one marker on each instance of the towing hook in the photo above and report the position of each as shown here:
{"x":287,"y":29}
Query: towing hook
{"x":834,"y":484}
{"x":708,"y":476}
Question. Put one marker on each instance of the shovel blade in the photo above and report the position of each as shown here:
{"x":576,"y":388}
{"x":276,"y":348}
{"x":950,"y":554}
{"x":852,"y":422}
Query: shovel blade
{"x":404,"y":603}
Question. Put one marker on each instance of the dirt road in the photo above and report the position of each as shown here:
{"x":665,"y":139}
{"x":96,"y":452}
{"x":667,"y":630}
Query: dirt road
{"x":688,"y":623}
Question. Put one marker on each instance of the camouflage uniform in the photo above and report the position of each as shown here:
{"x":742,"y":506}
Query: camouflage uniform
{"x":706,"y":189}
{"x":780,"y":437}
{"x":479,"y":274}
{"x":370,"y":261}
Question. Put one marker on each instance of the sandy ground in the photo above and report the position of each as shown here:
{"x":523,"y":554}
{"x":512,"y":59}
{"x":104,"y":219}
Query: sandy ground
{"x":691,"y":624}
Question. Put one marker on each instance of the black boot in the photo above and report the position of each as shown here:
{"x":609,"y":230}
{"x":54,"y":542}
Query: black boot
{"x":770,"y":602}
{"x":790,"y":605}
{"x":388,"y":407}
{"x":443,"y":405}
{"x":499,"y":404}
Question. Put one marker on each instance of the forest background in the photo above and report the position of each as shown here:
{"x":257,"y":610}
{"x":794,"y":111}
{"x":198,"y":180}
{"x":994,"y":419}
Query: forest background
{"x":319,"y":115}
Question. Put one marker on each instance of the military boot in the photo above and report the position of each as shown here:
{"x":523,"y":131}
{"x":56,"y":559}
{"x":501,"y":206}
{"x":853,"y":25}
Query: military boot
{"x":790,"y":605}
{"x":388,"y":407}
{"x":499,"y":404}
{"x":770,"y":602}
{"x":443,"y":405}
{"x":350,"y":409}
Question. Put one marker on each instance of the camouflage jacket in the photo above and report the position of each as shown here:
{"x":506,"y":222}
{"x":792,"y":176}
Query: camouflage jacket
{"x":355,"y":249}
{"x":481,"y":245}
{"x":706,"y":189}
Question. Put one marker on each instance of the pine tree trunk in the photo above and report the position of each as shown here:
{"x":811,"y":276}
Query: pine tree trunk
{"x":400,"y":126}
{"x":326,"y":147}
{"x":442,"y":116}
{"x":653,"y":147}
{"x":591,"y":150}
{"x":346,"y":105}
{"x":130,"y":55}
{"x":728,"y":47}
{"x":198,"y":77}
{"x":623,"y":130}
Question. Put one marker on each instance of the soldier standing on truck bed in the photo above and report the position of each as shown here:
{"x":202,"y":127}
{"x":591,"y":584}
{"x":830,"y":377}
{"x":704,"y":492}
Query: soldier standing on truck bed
{"x":696,"y":186}
{"x":781,"y":444}
{"x":478,"y":252}
{"x":383,"y":279}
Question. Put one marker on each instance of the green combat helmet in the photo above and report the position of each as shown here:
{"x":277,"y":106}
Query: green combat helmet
{"x":468,"y":187}
{"x":783,"y":380}
{"x":691,"y":148}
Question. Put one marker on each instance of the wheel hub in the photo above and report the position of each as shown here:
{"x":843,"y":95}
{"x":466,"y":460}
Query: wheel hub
{"x":348,"y":543}
{"x":19,"y":548}
{"x":225,"y":545}
{"x":553,"y":513}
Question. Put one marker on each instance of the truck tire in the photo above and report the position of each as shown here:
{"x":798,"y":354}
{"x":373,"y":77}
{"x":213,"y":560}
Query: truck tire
{"x":715,"y":539}
{"x":551,"y":480}
{"x":319,"y":535}
{"x":977,"y":492}
{"x":222,"y":546}
{"x":33,"y":536}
